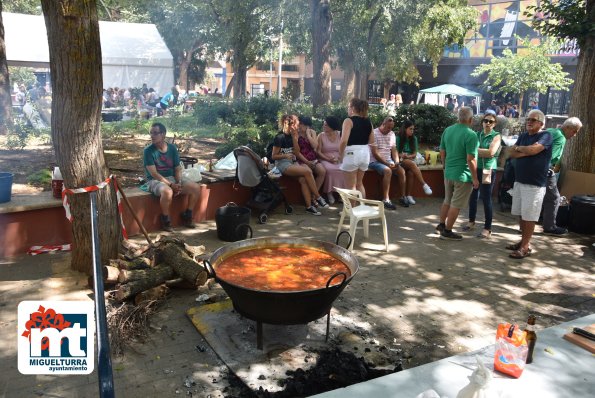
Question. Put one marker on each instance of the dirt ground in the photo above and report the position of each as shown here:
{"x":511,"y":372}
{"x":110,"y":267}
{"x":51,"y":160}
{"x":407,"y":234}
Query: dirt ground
{"x":123,"y":156}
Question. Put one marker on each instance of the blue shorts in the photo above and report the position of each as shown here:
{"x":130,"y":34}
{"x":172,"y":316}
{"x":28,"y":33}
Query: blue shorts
{"x":380,"y":167}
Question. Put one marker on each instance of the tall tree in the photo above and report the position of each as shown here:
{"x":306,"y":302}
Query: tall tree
{"x":575,"y":20}
{"x":518,"y":73}
{"x":322,"y":27}
{"x":75,"y":65}
{"x":241,"y":29}
{"x":5,"y":99}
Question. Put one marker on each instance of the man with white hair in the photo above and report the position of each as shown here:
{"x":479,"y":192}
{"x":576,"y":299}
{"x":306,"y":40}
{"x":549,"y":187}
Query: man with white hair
{"x":533,"y":154}
{"x":458,"y":151}
{"x":551,"y":200}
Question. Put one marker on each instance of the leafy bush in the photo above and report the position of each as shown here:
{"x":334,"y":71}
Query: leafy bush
{"x":430,"y":120}
{"x":20,"y":132}
{"x":40,"y":178}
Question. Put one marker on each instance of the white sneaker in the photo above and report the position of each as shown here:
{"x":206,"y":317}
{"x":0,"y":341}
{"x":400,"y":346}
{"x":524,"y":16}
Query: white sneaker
{"x":410,"y":200}
{"x":427,"y":189}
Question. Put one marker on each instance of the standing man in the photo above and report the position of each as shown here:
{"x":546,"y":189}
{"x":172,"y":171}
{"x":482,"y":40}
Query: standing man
{"x":164,"y":174}
{"x":533,"y":154}
{"x":385,"y":161}
{"x":551,"y":200}
{"x":458,"y":151}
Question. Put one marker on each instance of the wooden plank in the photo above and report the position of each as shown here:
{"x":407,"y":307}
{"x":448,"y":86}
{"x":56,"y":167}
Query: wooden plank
{"x":581,"y":341}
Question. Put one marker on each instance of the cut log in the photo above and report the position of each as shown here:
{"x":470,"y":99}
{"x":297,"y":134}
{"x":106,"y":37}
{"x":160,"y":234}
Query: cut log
{"x":183,"y":265}
{"x":152,"y":277}
{"x":127,"y":275}
{"x":180,"y":283}
{"x":155,"y":293}
{"x":110,"y":274}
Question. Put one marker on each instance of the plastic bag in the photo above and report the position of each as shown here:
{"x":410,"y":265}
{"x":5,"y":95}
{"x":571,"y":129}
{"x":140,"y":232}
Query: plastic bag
{"x":419,"y":159}
{"x":229,"y":162}
{"x":511,"y":350}
{"x":192,"y":173}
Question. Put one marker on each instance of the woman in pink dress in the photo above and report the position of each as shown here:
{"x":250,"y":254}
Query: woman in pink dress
{"x":328,"y":154}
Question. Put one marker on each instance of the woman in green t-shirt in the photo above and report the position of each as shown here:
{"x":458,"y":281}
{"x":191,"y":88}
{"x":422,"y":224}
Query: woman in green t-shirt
{"x":489,"y":148}
{"x":407,"y":149}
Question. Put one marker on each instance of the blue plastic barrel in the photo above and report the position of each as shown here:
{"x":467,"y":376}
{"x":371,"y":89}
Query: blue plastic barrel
{"x":5,"y":187}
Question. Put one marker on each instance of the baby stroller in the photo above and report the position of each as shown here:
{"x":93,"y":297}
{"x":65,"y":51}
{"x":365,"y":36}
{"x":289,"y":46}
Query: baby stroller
{"x":266,"y":194}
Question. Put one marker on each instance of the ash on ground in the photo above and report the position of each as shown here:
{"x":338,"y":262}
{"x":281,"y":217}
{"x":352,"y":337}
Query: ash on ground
{"x":334,"y":369}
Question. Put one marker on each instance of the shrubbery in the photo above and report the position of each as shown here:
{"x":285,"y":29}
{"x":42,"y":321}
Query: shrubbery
{"x":253,"y":122}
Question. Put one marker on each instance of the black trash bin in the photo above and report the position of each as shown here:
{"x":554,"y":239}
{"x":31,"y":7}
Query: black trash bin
{"x":233,"y":222}
{"x":582,"y":214}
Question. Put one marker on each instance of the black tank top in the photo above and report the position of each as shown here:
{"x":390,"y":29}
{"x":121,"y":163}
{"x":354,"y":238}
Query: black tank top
{"x":360,"y":133}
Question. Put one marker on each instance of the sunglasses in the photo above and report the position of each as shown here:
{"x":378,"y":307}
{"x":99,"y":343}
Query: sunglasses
{"x":488,"y":121}
{"x":532,"y":120}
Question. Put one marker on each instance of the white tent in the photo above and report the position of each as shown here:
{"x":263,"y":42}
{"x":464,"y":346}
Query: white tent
{"x":132,"y":53}
{"x":436,"y":95}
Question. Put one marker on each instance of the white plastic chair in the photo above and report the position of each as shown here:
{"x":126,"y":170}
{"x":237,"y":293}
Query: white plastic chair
{"x":364,"y":209}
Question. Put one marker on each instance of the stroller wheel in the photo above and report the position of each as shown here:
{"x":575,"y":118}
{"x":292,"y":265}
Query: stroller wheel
{"x":288,"y":209}
{"x":263,"y":218}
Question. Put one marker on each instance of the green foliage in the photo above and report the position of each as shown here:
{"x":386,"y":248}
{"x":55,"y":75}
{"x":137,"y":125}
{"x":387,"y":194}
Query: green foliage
{"x":564,"y":19}
{"x":430,"y":120}
{"x":20,"y":132}
{"x":516,"y":74}
{"x":22,"y":75}
{"x":40,"y":178}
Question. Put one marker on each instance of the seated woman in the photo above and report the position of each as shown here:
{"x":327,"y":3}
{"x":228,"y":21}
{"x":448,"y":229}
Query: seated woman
{"x":407,"y":149}
{"x":328,"y":153}
{"x":306,"y":150}
{"x":285,"y":161}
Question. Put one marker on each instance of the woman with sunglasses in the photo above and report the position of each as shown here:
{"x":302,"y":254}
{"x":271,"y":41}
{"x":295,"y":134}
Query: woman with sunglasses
{"x":489,"y":148}
{"x":285,"y":160}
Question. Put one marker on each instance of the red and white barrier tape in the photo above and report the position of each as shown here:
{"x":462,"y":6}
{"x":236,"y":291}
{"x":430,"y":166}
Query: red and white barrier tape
{"x":101,"y":185}
{"x":35,"y":250}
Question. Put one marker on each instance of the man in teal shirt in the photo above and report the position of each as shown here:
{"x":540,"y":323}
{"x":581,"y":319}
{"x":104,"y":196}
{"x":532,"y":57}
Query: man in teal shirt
{"x":458,"y":151}
{"x":551,"y":200}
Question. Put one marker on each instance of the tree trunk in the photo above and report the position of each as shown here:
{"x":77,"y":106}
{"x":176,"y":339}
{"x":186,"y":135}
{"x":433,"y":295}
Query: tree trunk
{"x":579,"y":154}
{"x":5,"y":100}
{"x":183,"y":70}
{"x":357,"y":84}
{"x":239,"y":79}
{"x":75,"y":66}
{"x":348,"y":77}
{"x":364,"y":85}
{"x":229,"y":86}
{"x":322,"y":27}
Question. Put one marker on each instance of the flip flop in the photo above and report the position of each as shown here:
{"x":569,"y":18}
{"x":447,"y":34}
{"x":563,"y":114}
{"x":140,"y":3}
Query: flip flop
{"x":520,"y":254}
{"x":514,"y":246}
{"x":485,"y":234}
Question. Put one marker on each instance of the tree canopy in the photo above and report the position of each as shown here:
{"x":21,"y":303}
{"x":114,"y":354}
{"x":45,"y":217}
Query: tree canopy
{"x":517,"y":73}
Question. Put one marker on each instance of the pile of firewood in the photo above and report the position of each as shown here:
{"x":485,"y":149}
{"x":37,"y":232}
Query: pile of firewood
{"x":147,"y":272}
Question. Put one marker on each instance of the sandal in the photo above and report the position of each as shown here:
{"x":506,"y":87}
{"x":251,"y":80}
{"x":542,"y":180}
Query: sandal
{"x":485,"y":234}
{"x":514,"y":246}
{"x":469,"y":226}
{"x":520,"y":253}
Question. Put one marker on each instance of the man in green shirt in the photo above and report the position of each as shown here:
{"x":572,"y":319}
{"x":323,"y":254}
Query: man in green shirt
{"x":164,"y":175}
{"x":458,"y":151}
{"x":551,"y":200}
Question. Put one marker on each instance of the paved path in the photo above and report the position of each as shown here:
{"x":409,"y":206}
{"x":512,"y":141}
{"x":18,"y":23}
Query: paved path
{"x":426,"y":299}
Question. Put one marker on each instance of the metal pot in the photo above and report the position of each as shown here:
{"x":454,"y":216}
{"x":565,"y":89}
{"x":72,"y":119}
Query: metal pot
{"x":283,"y":307}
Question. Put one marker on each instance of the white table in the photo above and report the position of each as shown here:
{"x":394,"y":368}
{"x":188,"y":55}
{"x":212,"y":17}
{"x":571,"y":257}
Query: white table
{"x":567,"y":372}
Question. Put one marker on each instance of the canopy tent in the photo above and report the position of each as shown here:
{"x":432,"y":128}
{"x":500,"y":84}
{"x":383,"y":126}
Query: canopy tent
{"x":436,"y":95}
{"x":132,"y":53}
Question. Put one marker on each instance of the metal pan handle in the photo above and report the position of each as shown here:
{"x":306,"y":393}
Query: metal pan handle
{"x":328,"y":283}
{"x":209,"y":268}
{"x":339,"y":237}
{"x":244,"y":226}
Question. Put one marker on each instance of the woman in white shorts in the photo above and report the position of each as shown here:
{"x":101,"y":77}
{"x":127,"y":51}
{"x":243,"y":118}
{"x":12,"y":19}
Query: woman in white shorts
{"x":356,"y":137}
